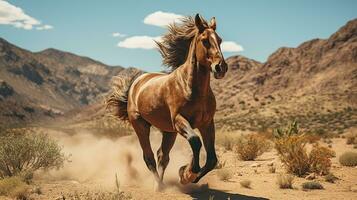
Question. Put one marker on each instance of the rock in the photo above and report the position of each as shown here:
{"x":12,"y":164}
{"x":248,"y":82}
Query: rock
{"x":311,"y":176}
{"x":255,"y":165}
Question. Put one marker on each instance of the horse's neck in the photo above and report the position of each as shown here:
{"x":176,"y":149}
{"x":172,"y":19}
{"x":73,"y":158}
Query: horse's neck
{"x":196,"y":78}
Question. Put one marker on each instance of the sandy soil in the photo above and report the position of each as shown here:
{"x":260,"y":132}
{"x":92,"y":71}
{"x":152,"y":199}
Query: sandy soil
{"x":95,"y":161}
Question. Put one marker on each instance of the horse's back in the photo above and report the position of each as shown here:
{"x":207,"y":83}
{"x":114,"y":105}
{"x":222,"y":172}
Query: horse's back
{"x":146,"y":100}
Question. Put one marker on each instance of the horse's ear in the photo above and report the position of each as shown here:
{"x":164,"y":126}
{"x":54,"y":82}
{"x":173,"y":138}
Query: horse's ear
{"x":213,"y":24}
{"x":199,"y":23}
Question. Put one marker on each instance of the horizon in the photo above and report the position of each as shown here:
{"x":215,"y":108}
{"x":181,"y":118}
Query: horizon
{"x":99,"y":31}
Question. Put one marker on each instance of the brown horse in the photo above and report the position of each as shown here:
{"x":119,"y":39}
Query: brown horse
{"x":178,"y":102}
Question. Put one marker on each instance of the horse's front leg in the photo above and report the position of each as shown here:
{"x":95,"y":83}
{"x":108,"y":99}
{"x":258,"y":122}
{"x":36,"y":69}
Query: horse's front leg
{"x":208,"y":137}
{"x":188,"y":173}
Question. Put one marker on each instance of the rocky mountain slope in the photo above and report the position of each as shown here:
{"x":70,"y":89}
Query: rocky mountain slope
{"x":47,"y":83}
{"x":315,"y":83}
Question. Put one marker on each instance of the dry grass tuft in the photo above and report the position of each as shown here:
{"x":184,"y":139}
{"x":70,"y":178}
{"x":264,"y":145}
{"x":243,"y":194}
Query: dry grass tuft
{"x":14,"y":187}
{"x":224,"y":174}
{"x":285,"y":181}
{"x":249,"y":147}
{"x":348,"y":159}
{"x":246,"y":183}
{"x":226,"y":140}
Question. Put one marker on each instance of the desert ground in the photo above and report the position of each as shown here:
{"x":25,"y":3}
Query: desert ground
{"x":95,"y":162}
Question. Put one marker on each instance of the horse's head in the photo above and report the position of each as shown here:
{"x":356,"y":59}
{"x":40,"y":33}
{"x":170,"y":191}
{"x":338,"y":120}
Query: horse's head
{"x":208,"y":50}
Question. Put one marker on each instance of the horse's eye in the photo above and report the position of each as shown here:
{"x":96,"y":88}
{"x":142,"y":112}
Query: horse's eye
{"x":206,"y":42}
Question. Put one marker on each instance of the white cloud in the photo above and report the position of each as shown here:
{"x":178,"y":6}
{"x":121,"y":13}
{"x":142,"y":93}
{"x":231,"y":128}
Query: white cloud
{"x":162,"y":19}
{"x":15,"y":16}
{"x":229,"y":46}
{"x":44,"y":27}
{"x":116,"y":34}
{"x":139,"y":42}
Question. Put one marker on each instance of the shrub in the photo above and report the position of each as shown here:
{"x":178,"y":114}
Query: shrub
{"x":290,"y":145}
{"x":245,"y":183}
{"x":285,"y":181}
{"x":330,"y":178}
{"x":348,"y":159}
{"x":251,"y":146}
{"x":13,"y":187}
{"x":224,"y":174}
{"x":320,"y":160}
{"x":312,"y":185}
{"x":22,"y":151}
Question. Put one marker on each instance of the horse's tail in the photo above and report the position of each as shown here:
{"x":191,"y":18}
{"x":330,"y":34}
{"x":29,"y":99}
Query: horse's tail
{"x":117,"y":101}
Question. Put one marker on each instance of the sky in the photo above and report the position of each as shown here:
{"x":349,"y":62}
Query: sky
{"x":122,"y":32}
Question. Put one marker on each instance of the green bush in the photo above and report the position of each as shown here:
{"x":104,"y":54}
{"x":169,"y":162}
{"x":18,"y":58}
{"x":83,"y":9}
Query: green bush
{"x":22,"y":151}
{"x":348,"y":159}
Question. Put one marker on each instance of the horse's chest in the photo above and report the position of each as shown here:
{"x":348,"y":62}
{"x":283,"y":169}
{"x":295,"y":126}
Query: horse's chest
{"x":199,"y":114}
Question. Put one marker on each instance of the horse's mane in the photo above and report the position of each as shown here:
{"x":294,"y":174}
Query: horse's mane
{"x":175,"y":44}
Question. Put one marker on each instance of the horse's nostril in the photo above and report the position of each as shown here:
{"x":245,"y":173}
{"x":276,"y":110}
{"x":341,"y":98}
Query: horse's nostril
{"x":218,"y":68}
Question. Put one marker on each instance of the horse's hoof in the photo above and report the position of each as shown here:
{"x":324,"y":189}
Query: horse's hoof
{"x":186,"y":175}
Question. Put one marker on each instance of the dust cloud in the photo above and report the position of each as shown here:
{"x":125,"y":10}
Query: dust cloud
{"x":96,"y":161}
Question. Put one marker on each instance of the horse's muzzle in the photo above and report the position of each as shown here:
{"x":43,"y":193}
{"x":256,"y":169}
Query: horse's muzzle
{"x":219,"y":70}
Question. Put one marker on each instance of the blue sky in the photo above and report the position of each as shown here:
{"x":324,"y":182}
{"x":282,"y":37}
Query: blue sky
{"x":86,"y":27}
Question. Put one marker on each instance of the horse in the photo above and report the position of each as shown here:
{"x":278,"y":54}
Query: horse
{"x":178,"y":101}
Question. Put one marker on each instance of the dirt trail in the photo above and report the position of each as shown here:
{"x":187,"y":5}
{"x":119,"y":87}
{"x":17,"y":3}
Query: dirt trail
{"x":95,"y":161}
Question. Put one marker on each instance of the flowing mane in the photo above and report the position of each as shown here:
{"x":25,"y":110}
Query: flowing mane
{"x":175,"y":44}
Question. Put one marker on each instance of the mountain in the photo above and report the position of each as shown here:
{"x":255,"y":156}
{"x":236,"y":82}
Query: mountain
{"x":314,"y":83}
{"x":36,"y":85}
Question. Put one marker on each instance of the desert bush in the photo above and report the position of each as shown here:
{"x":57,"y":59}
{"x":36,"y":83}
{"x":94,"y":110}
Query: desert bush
{"x":224,"y":174}
{"x":290,"y":145}
{"x":330,"y":177}
{"x":14,"y":187}
{"x":249,"y":147}
{"x":348,"y":159}
{"x":245,"y":183}
{"x":22,"y":151}
{"x":285,"y":181}
{"x":312,"y":185}
{"x":320,"y":160}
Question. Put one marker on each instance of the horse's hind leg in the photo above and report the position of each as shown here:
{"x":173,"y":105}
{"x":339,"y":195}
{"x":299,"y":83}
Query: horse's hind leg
{"x":142,"y":130}
{"x":168,"y":140}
